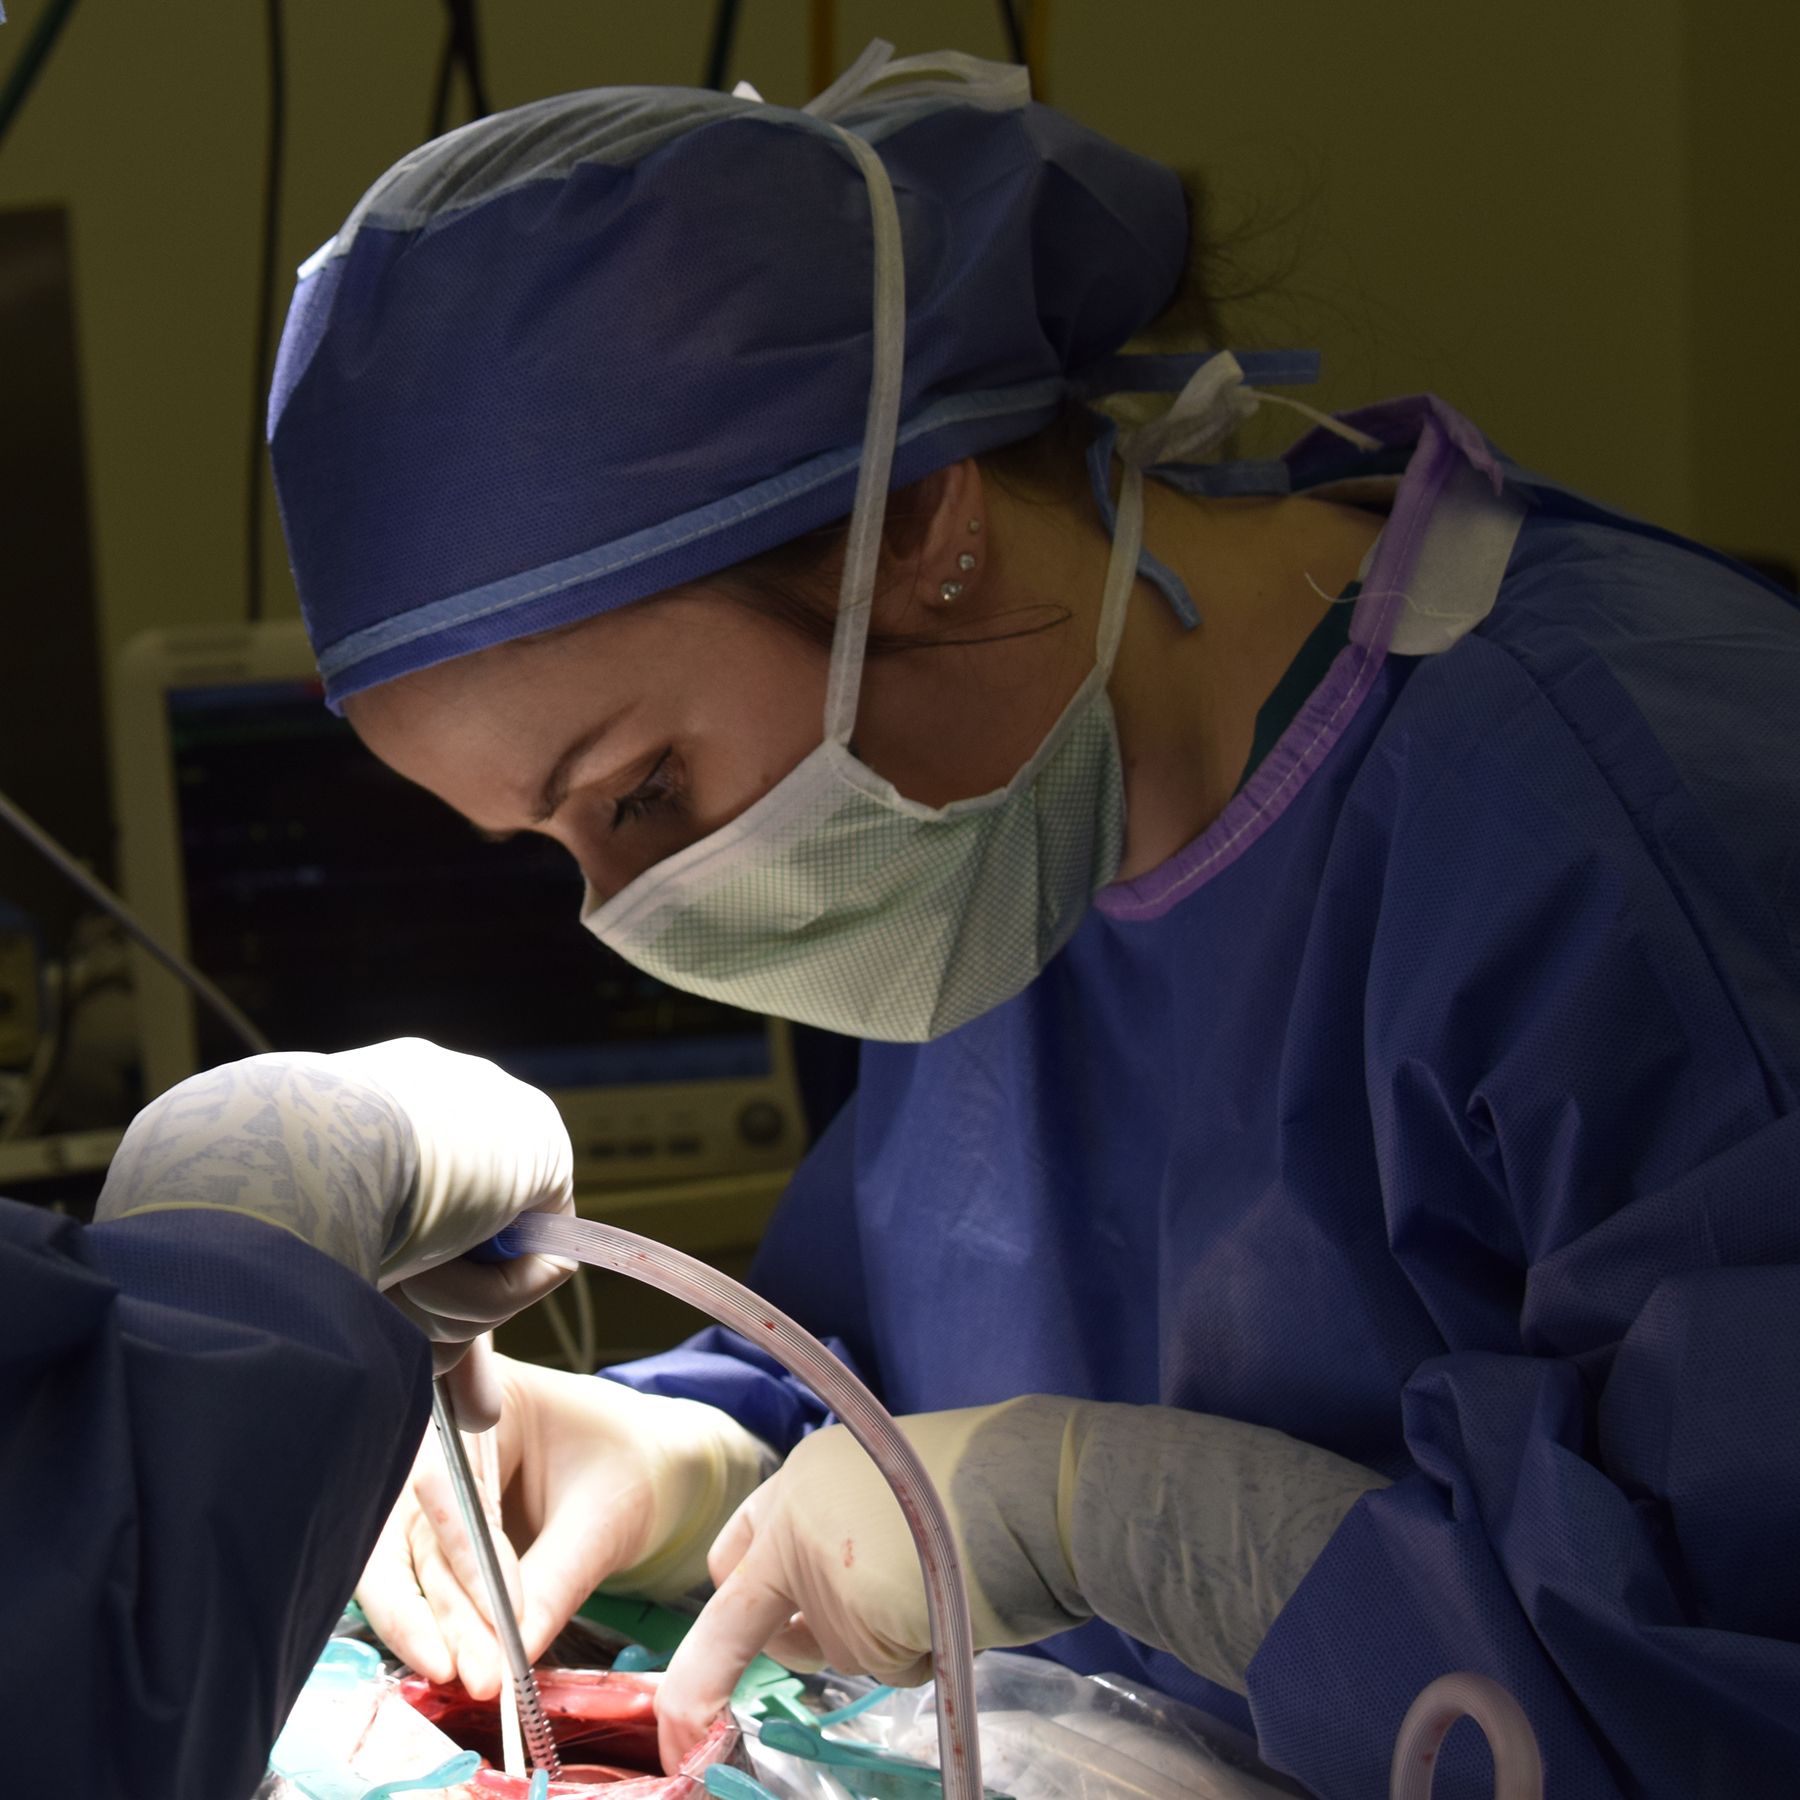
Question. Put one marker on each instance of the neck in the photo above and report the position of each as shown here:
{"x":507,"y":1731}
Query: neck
{"x":1186,"y":701}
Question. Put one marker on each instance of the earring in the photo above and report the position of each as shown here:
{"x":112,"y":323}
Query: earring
{"x":952,"y":590}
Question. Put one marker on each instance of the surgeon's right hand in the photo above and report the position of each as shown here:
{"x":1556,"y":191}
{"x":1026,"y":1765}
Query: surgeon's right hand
{"x":601,"y":1485}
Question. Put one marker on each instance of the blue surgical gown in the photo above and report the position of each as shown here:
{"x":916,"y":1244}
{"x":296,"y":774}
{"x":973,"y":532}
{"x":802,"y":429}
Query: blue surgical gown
{"x":203,"y":1423}
{"x":1452,"y":1126}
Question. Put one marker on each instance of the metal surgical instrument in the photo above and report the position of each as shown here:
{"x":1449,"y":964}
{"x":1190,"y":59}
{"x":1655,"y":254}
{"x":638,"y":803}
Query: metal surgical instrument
{"x":538,"y":1738}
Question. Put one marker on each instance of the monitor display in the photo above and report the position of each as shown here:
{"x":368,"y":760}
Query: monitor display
{"x":339,"y":905}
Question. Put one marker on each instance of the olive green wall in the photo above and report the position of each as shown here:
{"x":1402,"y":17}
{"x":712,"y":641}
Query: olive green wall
{"x":1743,"y":271}
{"x":1575,"y":222}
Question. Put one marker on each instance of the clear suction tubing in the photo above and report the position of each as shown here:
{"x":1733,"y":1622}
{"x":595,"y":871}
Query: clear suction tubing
{"x":1518,"y":1767}
{"x":733,"y":1304}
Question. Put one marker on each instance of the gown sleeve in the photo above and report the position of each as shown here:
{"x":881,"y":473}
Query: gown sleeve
{"x":203,"y":1423}
{"x":1583,"y":1027}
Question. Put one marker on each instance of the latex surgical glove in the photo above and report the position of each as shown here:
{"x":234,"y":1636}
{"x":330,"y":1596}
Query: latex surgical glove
{"x":394,"y":1160}
{"x":1187,"y":1531}
{"x":601,"y":1485}
{"x":489,"y":1148}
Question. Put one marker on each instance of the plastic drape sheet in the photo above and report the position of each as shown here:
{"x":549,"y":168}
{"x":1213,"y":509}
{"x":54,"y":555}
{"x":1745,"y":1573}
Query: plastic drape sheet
{"x":1047,"y":1733}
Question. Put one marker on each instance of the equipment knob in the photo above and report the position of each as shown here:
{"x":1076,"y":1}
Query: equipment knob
{"x":761,"y":1123}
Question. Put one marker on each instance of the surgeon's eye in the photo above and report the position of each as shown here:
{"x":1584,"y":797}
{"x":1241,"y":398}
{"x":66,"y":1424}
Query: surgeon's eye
{"x":658,"y":792}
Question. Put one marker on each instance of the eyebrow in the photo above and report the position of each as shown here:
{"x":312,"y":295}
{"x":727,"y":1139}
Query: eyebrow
{"x":556,"y":784}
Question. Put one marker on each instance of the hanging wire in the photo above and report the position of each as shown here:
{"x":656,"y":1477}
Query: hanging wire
{"x":265,"y":309}
{"x":1028,"y":42}
{"x":1015,"y":35}
{"x":718,"y":51}
{"x":30,"y":63}
{"x":109,"y":903}
{"x":461,"y":52}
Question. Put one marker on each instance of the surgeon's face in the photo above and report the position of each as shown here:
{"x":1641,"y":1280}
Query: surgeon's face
{"x":623,"y":738}
{"x":632,"y":735}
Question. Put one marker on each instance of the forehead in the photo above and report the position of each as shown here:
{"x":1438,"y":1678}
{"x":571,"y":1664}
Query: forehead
{"x":501,"y":716}
{"x":482,"y":720}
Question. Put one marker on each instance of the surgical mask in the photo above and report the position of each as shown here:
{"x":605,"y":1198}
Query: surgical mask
{"x":836,"y":901}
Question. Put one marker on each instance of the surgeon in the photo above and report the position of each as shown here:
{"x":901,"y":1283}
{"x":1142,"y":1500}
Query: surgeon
{"x":207,"y":1404}
{"x":1323,"y":1191}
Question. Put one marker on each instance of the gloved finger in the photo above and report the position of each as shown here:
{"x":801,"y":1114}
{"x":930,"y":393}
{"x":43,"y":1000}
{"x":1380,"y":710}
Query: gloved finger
{"x":474,"y":1384}
{"x":796,"y":1648}
{"x":586,"y":1537}
{"x":456,"y":1333}
{"x":854,"y":1652}
{"x":390,"y":1597}
{"x":733,"y":1542}
{"x":437,"y":1500}
{"x":748,"y":1609}
{"x":450,"y":1338}
{"x":490,"y":1292}
{"x":452,"y":1581}
{"x":474,"y":1650}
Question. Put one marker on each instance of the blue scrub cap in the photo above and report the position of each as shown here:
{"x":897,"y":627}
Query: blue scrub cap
{"x":584,"y":351}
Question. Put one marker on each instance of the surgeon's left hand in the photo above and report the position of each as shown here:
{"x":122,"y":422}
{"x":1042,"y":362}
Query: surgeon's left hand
{"x":1189,"y":1532}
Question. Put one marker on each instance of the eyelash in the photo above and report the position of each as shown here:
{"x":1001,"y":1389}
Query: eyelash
{"x":659,"y":791}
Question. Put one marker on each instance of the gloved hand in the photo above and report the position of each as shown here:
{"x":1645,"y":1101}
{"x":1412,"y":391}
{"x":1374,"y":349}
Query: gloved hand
{"x":1187,"y":1531}
{"x":394,"y":1160}
{"x":489,"y":1148}
{"x":601,"y":1484}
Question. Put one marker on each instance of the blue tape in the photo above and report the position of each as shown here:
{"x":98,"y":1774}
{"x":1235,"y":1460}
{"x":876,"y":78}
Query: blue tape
{"x":501,"y":1247}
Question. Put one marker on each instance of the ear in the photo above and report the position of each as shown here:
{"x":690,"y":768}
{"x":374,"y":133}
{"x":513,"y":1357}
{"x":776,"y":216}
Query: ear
{"x":937,"y":537}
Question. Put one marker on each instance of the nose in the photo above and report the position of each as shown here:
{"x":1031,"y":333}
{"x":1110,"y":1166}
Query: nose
{"x":603,"y":870}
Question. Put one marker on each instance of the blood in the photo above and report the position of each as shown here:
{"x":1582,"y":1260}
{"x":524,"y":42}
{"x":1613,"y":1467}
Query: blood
{"x":589,"y":1710}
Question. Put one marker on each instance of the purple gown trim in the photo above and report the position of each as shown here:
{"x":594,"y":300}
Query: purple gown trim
{"x":1443,"y":438}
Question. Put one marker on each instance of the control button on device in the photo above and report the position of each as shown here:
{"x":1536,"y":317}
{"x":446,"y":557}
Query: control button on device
{"x":761,"y":1123}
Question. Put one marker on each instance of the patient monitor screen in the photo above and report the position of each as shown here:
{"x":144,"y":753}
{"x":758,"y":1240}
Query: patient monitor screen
{"x":339,"y":905}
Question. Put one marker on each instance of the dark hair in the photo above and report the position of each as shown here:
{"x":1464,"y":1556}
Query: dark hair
{"x":796,"y":583}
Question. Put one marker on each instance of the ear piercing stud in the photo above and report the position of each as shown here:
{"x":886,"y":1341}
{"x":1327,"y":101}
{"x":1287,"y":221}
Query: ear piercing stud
{"x":952,"y":590}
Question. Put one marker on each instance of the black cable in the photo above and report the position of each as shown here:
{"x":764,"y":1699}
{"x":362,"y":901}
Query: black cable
{"x":462,"y":50}
{"x":265,"y":312}
{"x":32,"y":58}
{"x":718,"y":54}
{"x":1015,"y":35}
{"x":466,"y":27}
